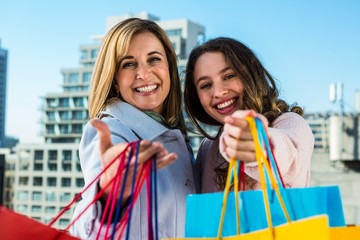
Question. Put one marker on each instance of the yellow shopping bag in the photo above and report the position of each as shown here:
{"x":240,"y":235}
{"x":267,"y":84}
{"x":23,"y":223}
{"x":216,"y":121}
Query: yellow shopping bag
{"x":345,"y":233}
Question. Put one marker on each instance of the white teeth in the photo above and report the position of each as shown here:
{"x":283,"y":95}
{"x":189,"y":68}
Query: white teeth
{"x":147,"y":88}
{"x":225,"y":104}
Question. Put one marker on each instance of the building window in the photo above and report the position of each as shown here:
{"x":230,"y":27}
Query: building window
{"x":38,"y":155}
{"x":64,"y":222}
{"x":77,"y":115}
{"x":52,"y":154}
{"x":66,"y":155}
{"x":83,"y":54}
{"x":64,"y":102}
{"x":52,"y":167}
{"x":50,"y":209}
{"x":174,"y":32}
{"x":64,"y":128}
{"x":24,"y":160}
{"x":50,"y":128}
{"x":79,"y":182}
{"x":51,"y":103}
{"x":51,"y":181}
{"x":35,"y":208}
{"x":51,"y":116}
{"x":94,"y":53}
{"x":23,"y":195}
{"x":50,"y":196}
{"x":23,"y":181}
{"x":36,"y":196}
{"x":64,"y":115}
{"x":66,"y":167}
{"x":36,"y":218}
{"x":65,"y":182}
{"x":77,"y":128}
{"x":86,"y":77}
{"x":37,"y":181}
{"x":38,"y":166}
{"x":78,"y":102}
{"x":78,"y":166}
{"x":65,"y":197}
{"x":22,"y":208}
{"x":73,"y":78}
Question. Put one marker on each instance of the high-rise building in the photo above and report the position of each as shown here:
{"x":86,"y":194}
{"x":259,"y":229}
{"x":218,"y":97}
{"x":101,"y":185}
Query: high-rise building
{"x":47,"y":176}
{"x":3,"y":74}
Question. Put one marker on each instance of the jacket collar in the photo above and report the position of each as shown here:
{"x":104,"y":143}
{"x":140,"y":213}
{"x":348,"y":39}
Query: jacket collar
{"x":138,"y":121}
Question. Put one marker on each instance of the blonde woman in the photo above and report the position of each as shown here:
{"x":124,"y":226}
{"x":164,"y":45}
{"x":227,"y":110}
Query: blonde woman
{"x":135,"y":95}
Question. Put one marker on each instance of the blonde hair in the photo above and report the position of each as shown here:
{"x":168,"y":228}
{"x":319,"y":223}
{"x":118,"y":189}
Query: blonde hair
{"x":115,"y":45}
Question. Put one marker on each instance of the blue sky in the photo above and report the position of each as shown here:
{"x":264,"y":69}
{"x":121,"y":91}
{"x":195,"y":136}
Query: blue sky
{"x":306,"y":45}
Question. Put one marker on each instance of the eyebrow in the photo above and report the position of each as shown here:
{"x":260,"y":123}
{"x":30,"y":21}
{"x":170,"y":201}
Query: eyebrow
{"x":206,"y":77}
{"x":149,"y":54}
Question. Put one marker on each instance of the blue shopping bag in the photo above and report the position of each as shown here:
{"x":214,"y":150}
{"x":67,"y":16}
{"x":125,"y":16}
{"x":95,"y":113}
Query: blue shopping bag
{"x":203,"y":210}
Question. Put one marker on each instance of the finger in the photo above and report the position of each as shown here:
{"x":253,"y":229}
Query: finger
{"x":245,"y":156}
{"x":244,"y":113}
{"x":148,"y":149}
{"x":241,"y":131}
{"x":166,"y":160}
{"x":240,"y":145}
{"x":104,"y":134}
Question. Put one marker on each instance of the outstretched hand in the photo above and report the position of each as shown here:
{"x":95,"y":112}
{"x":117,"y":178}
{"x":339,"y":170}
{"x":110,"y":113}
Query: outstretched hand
{"x":236,"y":141}
{"x":109,"y":151}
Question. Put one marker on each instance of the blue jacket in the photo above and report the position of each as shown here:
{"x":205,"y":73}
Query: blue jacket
{"x":128,"y":124}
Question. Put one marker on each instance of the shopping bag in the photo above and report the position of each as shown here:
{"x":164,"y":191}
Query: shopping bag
{"x":315,"y":227}
{"x":17,"y":226}
{"x":300,"y":202}
{"x":345,"y":233}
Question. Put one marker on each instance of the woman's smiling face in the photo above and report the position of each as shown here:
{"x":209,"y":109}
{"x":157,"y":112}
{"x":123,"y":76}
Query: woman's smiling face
{"x":143,"y":77}
{"x":218,"y":86}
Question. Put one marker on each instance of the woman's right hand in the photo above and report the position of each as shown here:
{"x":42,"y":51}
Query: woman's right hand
{"x":109,"y":151}
{"x":236,"y":141}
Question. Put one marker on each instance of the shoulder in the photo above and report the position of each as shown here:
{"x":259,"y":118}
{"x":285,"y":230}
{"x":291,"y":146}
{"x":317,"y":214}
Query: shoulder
{"x":294,"y":126}
{"x":289,"y":119}
{"x":205,"y":146}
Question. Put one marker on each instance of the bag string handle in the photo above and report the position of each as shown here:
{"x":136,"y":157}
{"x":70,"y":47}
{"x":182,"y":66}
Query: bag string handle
{"x":262,"y":161}
{"x":78,"y":196}
{"x":232,"y":168}
{"x":264,"y":140}
{"x":258,"y":133}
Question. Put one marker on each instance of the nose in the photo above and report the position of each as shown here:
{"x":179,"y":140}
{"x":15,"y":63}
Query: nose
{"x":142,"y":71}
{"x":220,"y":90}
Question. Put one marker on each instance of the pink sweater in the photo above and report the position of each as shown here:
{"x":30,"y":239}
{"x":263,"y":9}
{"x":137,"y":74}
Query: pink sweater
{"x":293,"y":144}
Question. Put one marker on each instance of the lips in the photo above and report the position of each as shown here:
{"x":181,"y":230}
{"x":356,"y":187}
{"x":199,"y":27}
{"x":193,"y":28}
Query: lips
{"x":225,"y":104}
{"x":147,"y":89}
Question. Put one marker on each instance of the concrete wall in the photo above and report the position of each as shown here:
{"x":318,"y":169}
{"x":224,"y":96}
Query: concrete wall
{"x":325,"y":172}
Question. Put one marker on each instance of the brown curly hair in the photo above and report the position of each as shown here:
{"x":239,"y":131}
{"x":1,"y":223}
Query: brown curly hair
{"x":260,"y":91}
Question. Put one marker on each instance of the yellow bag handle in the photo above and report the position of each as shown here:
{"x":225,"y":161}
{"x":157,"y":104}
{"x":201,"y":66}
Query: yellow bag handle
{"x":261,"y":158}
{"x":233,"y":167}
